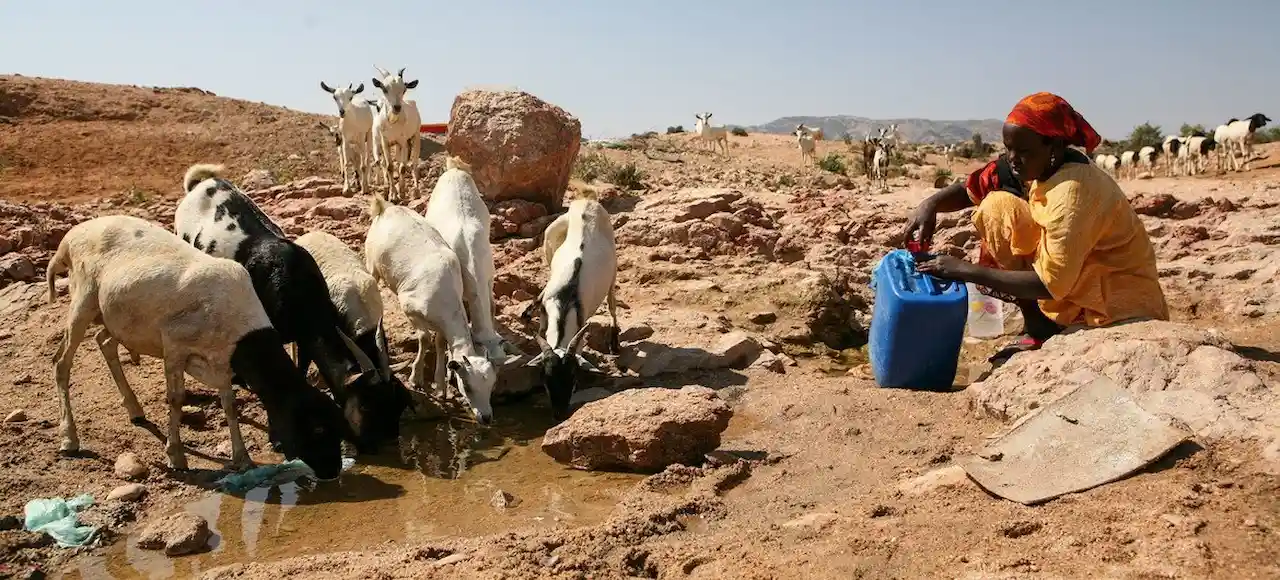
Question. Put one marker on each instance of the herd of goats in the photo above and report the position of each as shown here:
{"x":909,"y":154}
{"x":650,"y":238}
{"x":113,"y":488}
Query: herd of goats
{"x":218,"y":297}
{"x":1231,"y":144}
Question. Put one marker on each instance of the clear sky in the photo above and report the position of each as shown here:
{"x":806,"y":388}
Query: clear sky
{"x":625,"y":67}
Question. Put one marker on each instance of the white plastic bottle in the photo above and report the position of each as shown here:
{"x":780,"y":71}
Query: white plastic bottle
{"x":986,"y":314}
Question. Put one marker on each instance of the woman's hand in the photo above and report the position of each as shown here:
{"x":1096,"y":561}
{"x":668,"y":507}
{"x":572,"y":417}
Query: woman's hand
{"x":946,"y":267}
{"x":923,"y":221}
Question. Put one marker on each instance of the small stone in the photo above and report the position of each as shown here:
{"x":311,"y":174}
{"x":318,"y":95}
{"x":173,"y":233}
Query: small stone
{"x":127,"y":492}
{"x":17,"y":416}
{"x":953,"y":476}
{"x":502,"y":500}
{"x":451,"y":559}
{"x":177,"y":534}
{"x":128,"y":466}
{"x":9,"y":523}
{"x":24,"y":379}
{"x":764,"y":317}
{"x":193,"y":416}
{"x":770,"y":362}
{"x":1020,"y":528}
{"x":18,"y":267}
{"x":635,"y":332}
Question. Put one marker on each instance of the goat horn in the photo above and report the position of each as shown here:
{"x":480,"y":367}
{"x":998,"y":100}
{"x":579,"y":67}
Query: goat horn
{"x":384,"y":352}
{"x":401,"y":73}
{"x":362,"y":359}
{"x":577,"y":338}
{"x":381,"y":70}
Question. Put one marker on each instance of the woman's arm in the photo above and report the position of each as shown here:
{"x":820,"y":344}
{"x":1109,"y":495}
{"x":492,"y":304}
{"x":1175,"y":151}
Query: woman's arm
{"x":923,"y":220}
{"x":1024,"y":284}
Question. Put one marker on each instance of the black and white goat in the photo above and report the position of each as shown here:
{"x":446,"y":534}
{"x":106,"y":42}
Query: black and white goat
{"x":579,"y":248}
{"x":220,"y":220}
{"x":1238,"y":136}
{"x":200,"y":315}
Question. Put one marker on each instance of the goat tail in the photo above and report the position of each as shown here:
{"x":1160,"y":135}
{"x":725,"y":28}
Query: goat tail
{"x":377,"y":205}
{"x":200,"y":172}
{"x":57,"y":265}
{"x":455,"y":162}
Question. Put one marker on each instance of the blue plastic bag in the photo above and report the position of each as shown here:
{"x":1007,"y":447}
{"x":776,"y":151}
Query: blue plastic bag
{"x":57,"y":518}
{"x":268,"y":475}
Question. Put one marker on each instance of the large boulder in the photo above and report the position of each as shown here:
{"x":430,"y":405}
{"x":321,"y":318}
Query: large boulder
{"x":1173,"y":369}
{"x":518,"y":146}
{"x":641,"y":430}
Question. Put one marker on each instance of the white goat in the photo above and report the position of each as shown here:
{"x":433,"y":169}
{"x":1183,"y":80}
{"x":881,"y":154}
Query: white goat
{"x":1128,"y":165}
{"x":404,"y":251}
{"x":1172,"y":147}
{"x":712,"y":136}
{"x":815,"y":131}
{"x":397,"y":124}
{"x":880,"y":165}
{"x":1239,"y":134}
{"x":1148,"y":156}
{"x":355,"y":123}
{"x":1198,"y":148}
{"x":807,"y":146}
{"x":1111,"y":164}
{"x":457,"y":212}
{"x":580,"y":250}
{"x":1224,"y":146}
{"x":199,"y":314}
{"x":353,"y":292}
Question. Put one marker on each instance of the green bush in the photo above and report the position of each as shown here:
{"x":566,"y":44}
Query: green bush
{"x":835,"y":163}
{"x":627,"y":176}
{"x":739,"y":132}
{"x":675,"y":130}
{"x":591,"y":166}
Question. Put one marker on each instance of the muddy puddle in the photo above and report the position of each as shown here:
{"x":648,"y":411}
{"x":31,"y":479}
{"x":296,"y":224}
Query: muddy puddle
{"x":442,"y":482}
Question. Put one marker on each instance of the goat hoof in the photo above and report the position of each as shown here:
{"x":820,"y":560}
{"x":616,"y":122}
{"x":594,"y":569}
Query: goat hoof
{"x":69,"y":448}
{"x":178,"y":464}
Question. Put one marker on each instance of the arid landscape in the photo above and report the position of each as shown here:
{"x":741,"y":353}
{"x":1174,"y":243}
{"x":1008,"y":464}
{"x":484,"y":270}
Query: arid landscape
{"x":820,"y":473}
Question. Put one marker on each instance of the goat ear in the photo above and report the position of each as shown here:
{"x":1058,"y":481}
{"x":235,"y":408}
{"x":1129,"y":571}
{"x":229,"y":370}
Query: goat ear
{"x":376,"y":82}
{"x":327,"y":88}
{"x":359,"y":89}
{"x":453,"y":365}
{"x":413,"y":84}
{"x":586,"y":365}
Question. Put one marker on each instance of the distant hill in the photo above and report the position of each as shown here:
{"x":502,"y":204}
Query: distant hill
{"x":911,"y":130}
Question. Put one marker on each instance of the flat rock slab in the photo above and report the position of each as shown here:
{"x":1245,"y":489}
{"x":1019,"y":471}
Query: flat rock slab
{"x":1094,"y":435}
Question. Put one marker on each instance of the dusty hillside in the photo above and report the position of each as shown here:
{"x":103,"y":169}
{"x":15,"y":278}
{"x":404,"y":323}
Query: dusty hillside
{"x":708,"y":245}
{"x":72,"y":141}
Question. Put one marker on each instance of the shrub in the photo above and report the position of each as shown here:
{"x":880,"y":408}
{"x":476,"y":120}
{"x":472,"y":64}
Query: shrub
{"x":1144,"y":135}
{"x":942,"y":177}
{"x":592,"y":166}
{"x":675,"y":130}
{"x":627,"y":176}
{"x":739,"y":132}
{"x":835,"y":163}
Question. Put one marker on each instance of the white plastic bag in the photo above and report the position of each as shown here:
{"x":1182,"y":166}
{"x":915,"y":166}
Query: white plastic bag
{"x":986,"y":314}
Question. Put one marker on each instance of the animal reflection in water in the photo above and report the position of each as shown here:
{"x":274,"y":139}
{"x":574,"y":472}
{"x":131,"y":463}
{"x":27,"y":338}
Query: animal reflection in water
{"x":445,"y":449}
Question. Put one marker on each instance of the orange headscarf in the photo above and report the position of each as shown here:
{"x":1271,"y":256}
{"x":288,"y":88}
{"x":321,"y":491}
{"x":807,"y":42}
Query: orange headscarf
{"x":1052,"y":116}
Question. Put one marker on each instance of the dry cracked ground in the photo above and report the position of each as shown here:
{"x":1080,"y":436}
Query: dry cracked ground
{"x":840,"y":478}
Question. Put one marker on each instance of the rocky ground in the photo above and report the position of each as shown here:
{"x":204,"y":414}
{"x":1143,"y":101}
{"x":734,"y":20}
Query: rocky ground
{"x":747,"y":275}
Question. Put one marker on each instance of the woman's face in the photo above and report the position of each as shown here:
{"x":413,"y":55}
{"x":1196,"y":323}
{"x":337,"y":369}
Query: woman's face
{"x":1028,"y":152}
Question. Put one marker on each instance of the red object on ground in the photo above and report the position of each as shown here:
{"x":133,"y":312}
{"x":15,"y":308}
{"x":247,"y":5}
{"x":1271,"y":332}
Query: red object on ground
{"x":434,"y":128}
{"x":917,"y":247}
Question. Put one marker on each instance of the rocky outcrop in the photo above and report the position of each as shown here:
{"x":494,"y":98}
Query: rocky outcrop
{"x":518,"y":146}
{"x":641,"y":430}
{"x":1173,"y":369}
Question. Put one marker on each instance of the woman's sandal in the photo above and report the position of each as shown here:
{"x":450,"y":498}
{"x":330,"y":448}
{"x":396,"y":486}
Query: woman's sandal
{"x":1023,"y":344}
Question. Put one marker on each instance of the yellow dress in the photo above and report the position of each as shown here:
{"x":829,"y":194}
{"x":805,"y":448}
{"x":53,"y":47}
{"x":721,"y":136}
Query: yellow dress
{"x":1081,"y":236}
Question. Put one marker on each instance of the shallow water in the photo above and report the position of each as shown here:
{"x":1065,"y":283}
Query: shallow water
{"x":440,"y":483}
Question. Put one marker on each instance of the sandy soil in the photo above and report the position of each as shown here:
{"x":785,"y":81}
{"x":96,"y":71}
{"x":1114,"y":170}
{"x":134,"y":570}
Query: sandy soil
{"x":821,"y":497}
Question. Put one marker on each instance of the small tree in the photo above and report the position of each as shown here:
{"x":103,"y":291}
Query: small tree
{"x":1270,"y":135}
{"x":1144,"y":135}
{"x":738,"y":132}
{"x":978,"y":145}
{"x":676,"y":129}
{"x":1189,"y":130}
